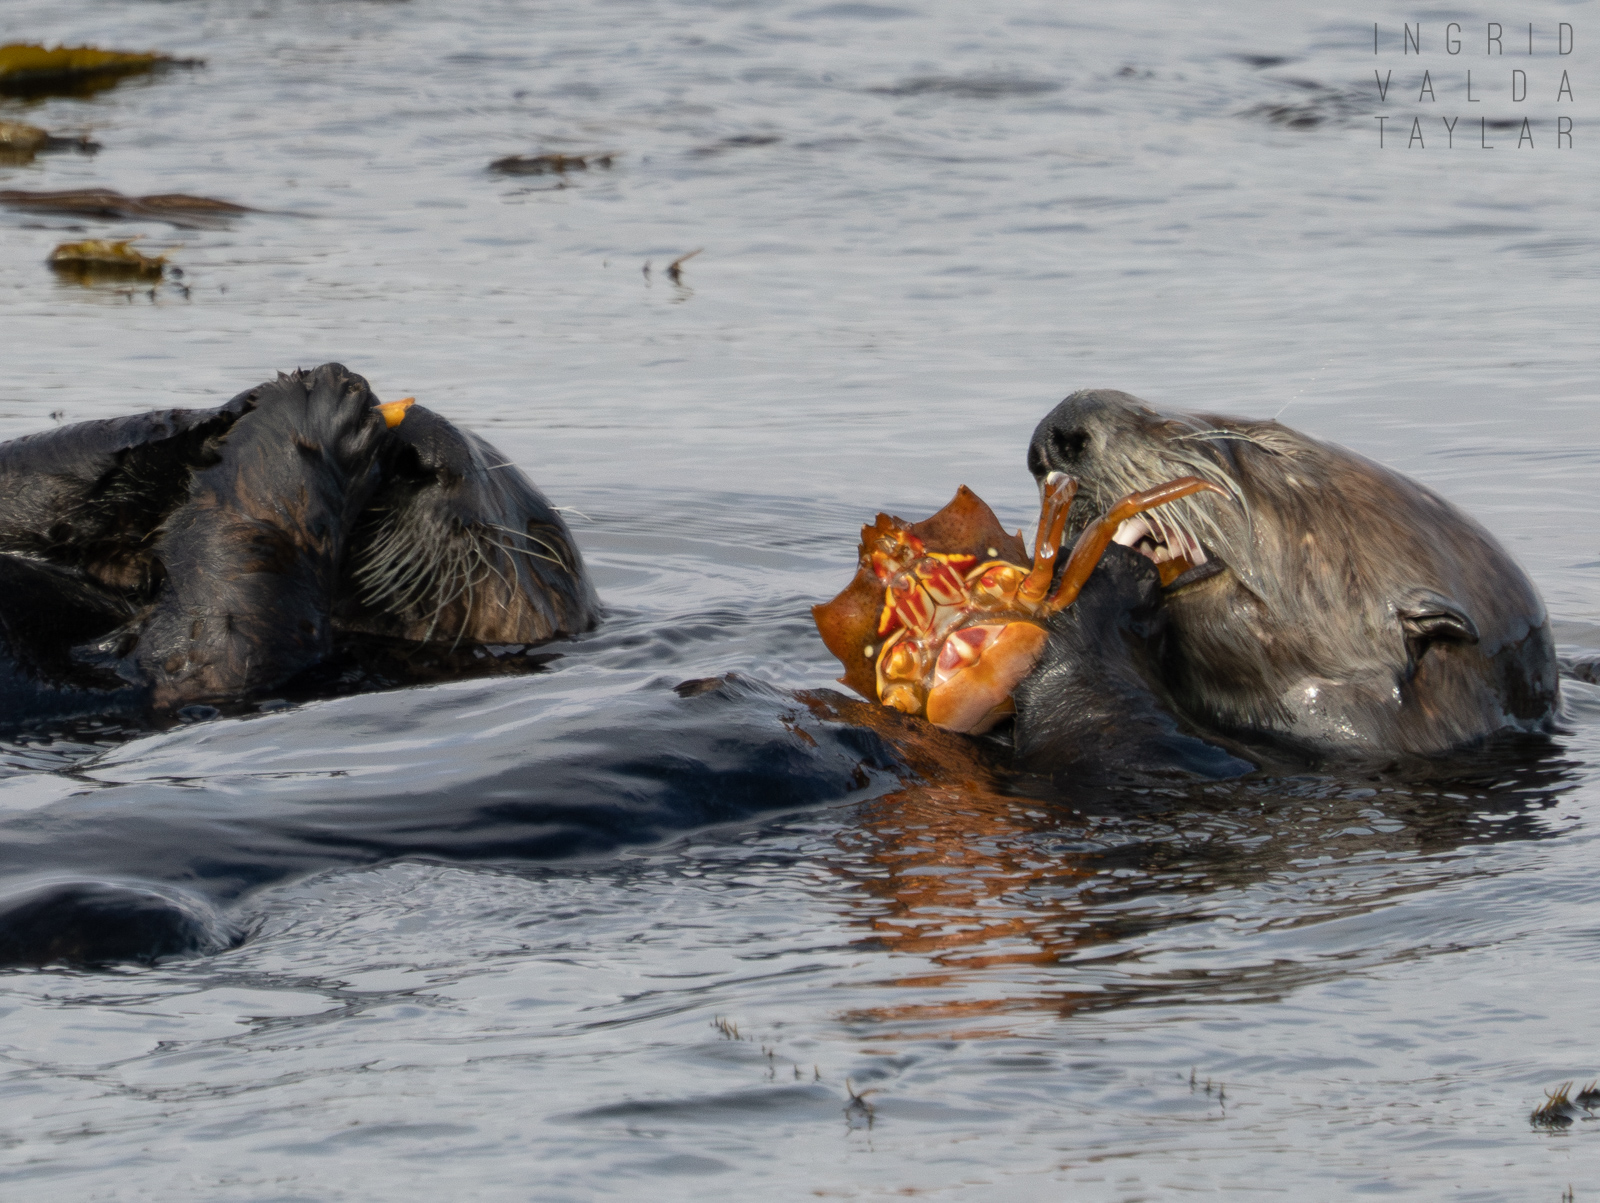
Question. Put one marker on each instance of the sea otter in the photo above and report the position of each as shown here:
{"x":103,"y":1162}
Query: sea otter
{"x":199,"y":556}
{"x":1331,"y":604}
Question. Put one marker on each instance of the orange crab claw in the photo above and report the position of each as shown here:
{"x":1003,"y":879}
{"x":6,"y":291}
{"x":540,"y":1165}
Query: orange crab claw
{"x":974,"y":698}
{"x":1096,"y":537}
{"x":394,"y":412}
{"x":1059,"y":490}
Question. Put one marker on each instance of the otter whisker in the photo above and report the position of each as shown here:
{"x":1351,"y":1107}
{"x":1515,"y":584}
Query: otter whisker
{"x":489,"y":564}
{"x":466,"y":613}
{"x":440,"y":607}
{"x":555,"y":556}
{"x":531,"y":554}
{"x":404,"y":580}
{"x":1188,"y":519}
{"x":1218,"y":434}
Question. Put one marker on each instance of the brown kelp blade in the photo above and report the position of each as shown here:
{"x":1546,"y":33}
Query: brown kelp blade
{"x":174,"y":208}
{"x":101,"y":257}
{"x":1097,"y":536}
{"x":32,"y":69}
{"x":551,"y":163}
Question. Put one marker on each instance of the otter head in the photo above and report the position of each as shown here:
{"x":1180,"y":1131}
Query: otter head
{"x":1114,"y":444}
{"x":1331,"y":600}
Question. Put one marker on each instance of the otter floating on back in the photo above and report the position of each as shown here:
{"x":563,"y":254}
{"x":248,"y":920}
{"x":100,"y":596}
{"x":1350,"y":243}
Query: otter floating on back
{"x":201,"y":556}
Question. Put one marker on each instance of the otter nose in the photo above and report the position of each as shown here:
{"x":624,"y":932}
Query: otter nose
{"x":1068,"y":437}
{"x":1056,"y":448}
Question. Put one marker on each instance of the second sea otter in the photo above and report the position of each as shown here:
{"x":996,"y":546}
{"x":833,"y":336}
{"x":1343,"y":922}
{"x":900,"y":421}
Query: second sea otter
{"x":197,"y":556}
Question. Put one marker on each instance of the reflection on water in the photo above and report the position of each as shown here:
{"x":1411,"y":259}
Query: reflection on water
{"x":982,"y":885}
{"x":493,"y":925}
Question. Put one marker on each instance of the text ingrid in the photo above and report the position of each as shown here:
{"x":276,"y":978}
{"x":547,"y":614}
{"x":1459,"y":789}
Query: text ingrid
{"x":1515,"y":85}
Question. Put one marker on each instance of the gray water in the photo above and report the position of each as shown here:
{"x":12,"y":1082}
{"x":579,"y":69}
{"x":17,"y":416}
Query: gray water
{"x":921,"y":224}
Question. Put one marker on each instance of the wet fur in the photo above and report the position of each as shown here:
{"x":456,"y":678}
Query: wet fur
{"x":1089,"y":711}
{"x":91,"y":496}
{"x":1354,"y":610}
{"x":252,"y":556}
{"x":458,"y":545}
{"x":219,"y":553}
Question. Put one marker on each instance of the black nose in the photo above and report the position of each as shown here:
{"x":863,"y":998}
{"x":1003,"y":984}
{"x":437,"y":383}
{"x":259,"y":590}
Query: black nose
{"x":1068,"y":445}
{"x":1056,"y":447}
{"x":1076,"y":431}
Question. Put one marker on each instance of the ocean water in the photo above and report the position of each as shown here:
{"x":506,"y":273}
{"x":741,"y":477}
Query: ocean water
{"x":572,"y":935}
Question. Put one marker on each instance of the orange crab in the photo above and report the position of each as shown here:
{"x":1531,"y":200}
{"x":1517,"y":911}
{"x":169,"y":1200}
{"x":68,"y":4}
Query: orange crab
{"x":948,"y":634}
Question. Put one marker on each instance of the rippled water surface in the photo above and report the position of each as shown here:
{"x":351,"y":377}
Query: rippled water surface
{"x":571,"y":935}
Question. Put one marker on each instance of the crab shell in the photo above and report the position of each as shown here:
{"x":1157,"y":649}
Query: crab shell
{"x":849,"y":624}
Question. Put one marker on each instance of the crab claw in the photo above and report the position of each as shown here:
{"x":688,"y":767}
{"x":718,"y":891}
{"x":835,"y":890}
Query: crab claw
{"x":1058,"y":490}
{"x":1096,"y":537}
{"x":973,"y":698}
{"x":394,"y":412}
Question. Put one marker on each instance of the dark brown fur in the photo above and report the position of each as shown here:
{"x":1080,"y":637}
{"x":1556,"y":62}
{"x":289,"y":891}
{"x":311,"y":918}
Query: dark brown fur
{"x":1346,"y":608}
{"x":457,"y":545}
{"x":252,"y":557}
{"x":233,"y":545}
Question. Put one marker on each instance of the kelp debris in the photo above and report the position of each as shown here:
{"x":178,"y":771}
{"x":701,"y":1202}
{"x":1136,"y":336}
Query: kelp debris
{"x":982,"y":86}
{"x":19,"y":139}
{"x":1560,"y":1108}
{"x":550,"y":164}
{"x":174,"y":208}
{"x":32,"y":69}
{"x":675,"y":268}
{"x":735,"y":142}
{"x":101,"y":257}
{"x":19,"y":142}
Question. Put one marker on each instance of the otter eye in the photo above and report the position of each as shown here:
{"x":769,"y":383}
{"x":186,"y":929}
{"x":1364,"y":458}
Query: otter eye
{"x":1069,"y":444}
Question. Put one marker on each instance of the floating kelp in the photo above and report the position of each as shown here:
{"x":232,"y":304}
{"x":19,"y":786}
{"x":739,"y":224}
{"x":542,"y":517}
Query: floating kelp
{"x":550,"y":164}
{"x":174,"y":208}
{"x":736,"y":142}
{"x":19,"y":139}
{"x":20,"y":142}
{"x":100,"y":258}
{"x":983,"y":86}
{"x":675,"y":268}
{"x":30,"y":69}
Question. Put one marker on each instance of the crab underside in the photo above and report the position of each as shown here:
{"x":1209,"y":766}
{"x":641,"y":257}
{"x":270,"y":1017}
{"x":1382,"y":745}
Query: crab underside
{"x":946,"y":616}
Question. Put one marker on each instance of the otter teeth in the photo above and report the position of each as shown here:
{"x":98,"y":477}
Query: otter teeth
{"x":1157,"y":542}
{"x":1131,"y":531}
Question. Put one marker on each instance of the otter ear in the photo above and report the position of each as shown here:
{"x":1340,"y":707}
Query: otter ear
{"x":1427,"y":618}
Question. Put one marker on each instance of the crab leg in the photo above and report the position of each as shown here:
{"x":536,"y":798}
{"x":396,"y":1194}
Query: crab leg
{"x":1059,"y":490}
{"x":1096,"y":537}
